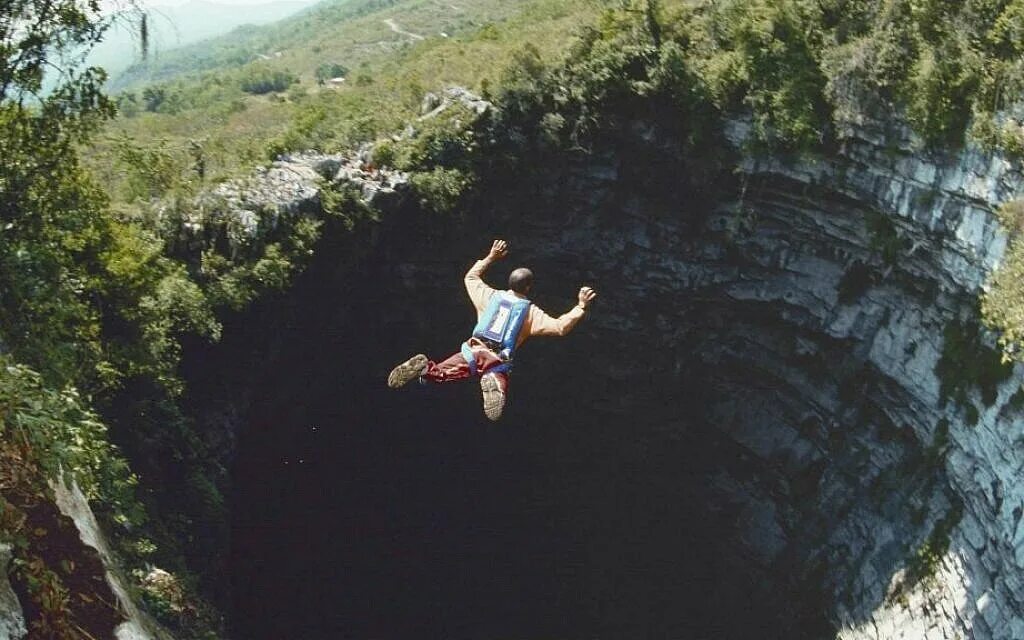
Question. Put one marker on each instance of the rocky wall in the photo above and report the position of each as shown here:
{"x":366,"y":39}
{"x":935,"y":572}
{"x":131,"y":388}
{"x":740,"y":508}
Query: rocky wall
{"x":806,"y":308}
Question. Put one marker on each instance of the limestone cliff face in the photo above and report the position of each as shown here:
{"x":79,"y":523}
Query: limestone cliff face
{"x":811,"y":231}
{"x":797,"y":319}
{"x":12,"y":619}
{"x":842,"y":470}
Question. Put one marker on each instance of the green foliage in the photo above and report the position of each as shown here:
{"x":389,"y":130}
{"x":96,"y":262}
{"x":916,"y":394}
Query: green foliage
{"x":260,"y":79}
{"x":925,"y":562}
{"x":304,"y":132}
{"x":941,"y":83}
{"x":71,"y":275}
{"x":204,"y":99}
{"x":343,"y":202}
{"x":934,"y":454}
{"x":885,"y":237}
{"x":385,"y":154}
{"x":613,"y":77}
{"x":233,"y":283}
{"x":49,"y":232}
{"x":441,"y":189}
{"x":968,"y":362}
{"x":154,"y":98}
{"x":65,"y":437}
{"x":153,"y":302}
{"x":246,"y":43}
{"x":328,"y":71}
{"x":489,"y":32}
{"x":127,"y":104}
{"x":1002,"y":303}
{"x":150,"y":171}
{"x":798,"y":66}
{"x":765,"y":56}
{"x":447,"y":140}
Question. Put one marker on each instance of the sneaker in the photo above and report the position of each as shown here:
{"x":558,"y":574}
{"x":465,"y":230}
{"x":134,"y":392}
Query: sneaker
{"x":408,"y":371}
{"x":494,"y":396}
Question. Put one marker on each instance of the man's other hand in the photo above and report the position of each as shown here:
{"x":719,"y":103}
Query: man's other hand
{"x":586,"y":295}
{"x":498,"y":250}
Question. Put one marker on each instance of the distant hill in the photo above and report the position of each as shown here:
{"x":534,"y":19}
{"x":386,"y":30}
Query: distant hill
{"x":242,"y":98}
{"x":172,"y":27}
{"x":249,"y":42}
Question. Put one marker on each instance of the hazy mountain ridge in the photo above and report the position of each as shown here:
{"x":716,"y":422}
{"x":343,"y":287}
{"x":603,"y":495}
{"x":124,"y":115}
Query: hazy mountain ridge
{"x":242,"y":43}
{"x":173,"y":27}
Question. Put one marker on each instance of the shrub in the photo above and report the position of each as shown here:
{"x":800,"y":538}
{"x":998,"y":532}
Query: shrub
{"x":153,"y":98}
{"x":69,"y":438}
{"x":967,"y":362}
{"x":260,"y":79}
{"x":885,"y":237}
{"x":441,"y":189}
{"x":385,"y":154}
{"x":328,"y":71}
{"x":926,"y":560}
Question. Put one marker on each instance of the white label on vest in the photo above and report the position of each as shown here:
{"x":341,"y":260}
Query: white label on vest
{"x":500,"y":321}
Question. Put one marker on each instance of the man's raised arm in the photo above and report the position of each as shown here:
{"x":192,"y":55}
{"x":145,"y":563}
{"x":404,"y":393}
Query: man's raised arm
{"x":477,"y":289}
{"x":541,"y":324}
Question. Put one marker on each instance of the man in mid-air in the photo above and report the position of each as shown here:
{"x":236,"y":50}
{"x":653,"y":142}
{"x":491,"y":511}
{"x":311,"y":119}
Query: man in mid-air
{"x":505,"y":319}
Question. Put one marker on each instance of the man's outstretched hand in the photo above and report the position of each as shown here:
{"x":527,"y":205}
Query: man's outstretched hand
{"x":498,"y":250}
{"x":586,"y":296}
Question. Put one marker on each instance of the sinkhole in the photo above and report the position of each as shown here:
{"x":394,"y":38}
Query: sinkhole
{"x":690,"y":462}
{"x":367,"y":512}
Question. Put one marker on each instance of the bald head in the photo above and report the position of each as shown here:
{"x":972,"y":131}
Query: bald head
{"x":520,"y":280}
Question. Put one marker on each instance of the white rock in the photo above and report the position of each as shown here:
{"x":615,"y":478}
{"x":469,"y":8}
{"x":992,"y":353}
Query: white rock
{"x":12,"y":620}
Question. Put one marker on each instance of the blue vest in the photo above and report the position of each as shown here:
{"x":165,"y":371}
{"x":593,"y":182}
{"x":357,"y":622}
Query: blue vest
{"x":500,"y":323}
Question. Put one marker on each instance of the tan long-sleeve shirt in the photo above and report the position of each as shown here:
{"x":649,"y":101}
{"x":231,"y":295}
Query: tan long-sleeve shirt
{"x":537,"y":322}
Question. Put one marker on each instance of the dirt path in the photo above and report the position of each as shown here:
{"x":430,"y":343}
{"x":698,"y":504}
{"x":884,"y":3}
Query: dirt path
{"x":397,"y":29}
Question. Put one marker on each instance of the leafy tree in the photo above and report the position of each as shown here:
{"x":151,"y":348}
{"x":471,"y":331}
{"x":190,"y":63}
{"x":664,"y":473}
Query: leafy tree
{"x":50,"y":213}
{"x":261,"y":79}
{"x":127,"y":104}
{"x":151,"y":171}
{"x":329,"y":71}
{"x":153,"y":98}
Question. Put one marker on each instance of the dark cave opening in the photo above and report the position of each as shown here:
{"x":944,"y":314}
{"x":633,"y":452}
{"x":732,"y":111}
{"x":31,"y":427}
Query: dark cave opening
{"x":359,"y":511}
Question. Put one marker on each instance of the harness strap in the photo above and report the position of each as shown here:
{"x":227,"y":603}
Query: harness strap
{"x":470,"y":358}
{"x":504,"y":367}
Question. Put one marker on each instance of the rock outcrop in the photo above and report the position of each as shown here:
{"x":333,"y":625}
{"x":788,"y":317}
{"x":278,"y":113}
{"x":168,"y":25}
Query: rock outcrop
{"x":137,"y":624}
{"x":12,"y":620}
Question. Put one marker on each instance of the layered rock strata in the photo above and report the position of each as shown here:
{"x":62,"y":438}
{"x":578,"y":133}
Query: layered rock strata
{"x":807,"y":309}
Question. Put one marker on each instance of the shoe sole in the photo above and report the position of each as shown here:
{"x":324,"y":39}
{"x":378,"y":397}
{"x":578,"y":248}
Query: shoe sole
{"x":494,"y":397}
{"x":408,"y":371}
